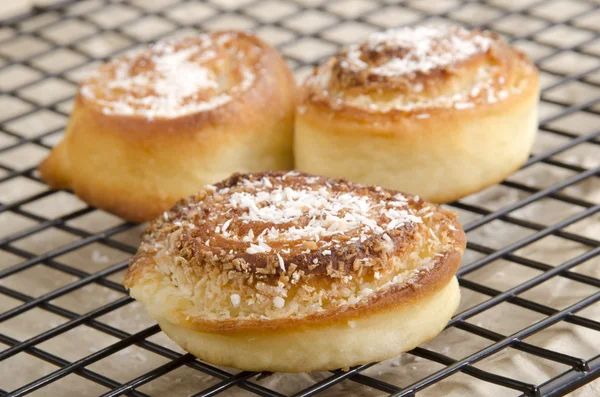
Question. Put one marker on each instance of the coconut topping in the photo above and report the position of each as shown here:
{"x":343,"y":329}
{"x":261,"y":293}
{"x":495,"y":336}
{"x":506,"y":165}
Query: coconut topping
{"x":280,"y":222}
{"x":414,"y":69}
{"x":235,"y":299}
{"x":278,"y":302}
{"x":277,"y":213}
{"x":176,"y":77}
{"x":418,"y":49}
{"x":277,"y":244}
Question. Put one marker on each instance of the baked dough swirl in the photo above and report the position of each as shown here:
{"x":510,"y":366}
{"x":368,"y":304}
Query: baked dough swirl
{"x":177,"y":77}
{"x":160,"y":122}
{"x":262,"y":261}
{"x":436,"y":111}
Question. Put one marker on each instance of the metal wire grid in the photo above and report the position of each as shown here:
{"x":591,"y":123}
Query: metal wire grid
{"x":580,"y":370}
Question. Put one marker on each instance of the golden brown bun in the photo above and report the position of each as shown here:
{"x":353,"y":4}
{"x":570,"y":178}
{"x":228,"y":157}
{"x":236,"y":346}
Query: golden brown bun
{"x":291,"y":272}
{"x":160,"y":123}
{"x":438,"y":112}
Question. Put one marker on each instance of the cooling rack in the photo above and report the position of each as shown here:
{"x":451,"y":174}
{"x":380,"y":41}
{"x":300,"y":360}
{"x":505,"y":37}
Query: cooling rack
{"x":68,"y":327}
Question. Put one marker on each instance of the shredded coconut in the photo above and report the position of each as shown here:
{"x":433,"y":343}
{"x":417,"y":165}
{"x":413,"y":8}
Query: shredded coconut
{"x":235,"y":300}
{"x":278,"y":302}
{"x":329,"y":213}
{"x":325,"y":213}
{"x":281,"y":262}
{"x":283,"y":278}
{"x":425,"y":48}
{"x":168,"y":79}
{"x":405,"y":53}
{"x":258,"y":248}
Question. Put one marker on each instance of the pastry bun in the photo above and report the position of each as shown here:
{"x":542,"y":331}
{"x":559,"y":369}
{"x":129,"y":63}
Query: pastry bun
{"x":441,"y":112}
{"x":161,"y":122}
{"x":291,"y":272}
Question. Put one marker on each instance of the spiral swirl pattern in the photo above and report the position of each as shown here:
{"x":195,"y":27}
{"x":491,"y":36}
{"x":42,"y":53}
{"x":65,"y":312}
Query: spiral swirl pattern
{"x":177,"y":77}
{"x":414,"y":69}
{"x":282,"y":243}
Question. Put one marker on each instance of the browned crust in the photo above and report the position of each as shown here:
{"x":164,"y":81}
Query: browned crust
{"x":54,"y":172}
{"x":345,"y":77}
{"x":149,"y":146}
{"x":271,"y":74}
{"x":405,"y":129}
{"x":388,"y":122}
{"x":425,"y":285}
{"x":509,"y":62}
{"x":143,"y":270}
{"x":116,"y":202}
{"x":342,"y":260}
{"x":338,"y":258}
{"x":323,"y":108}
{"x":269,"y":70}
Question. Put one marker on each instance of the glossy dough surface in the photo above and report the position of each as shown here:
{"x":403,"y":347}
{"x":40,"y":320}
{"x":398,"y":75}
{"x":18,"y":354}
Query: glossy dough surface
{"x":161,"y":122}
{"x":300,"y":272}
{"x":437,"y":111}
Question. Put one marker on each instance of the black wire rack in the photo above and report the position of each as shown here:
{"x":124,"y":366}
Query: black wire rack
{"x":573,"y":122}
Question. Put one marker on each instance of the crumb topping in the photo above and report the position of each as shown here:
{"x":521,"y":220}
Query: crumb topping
{"x":175,"y":77}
